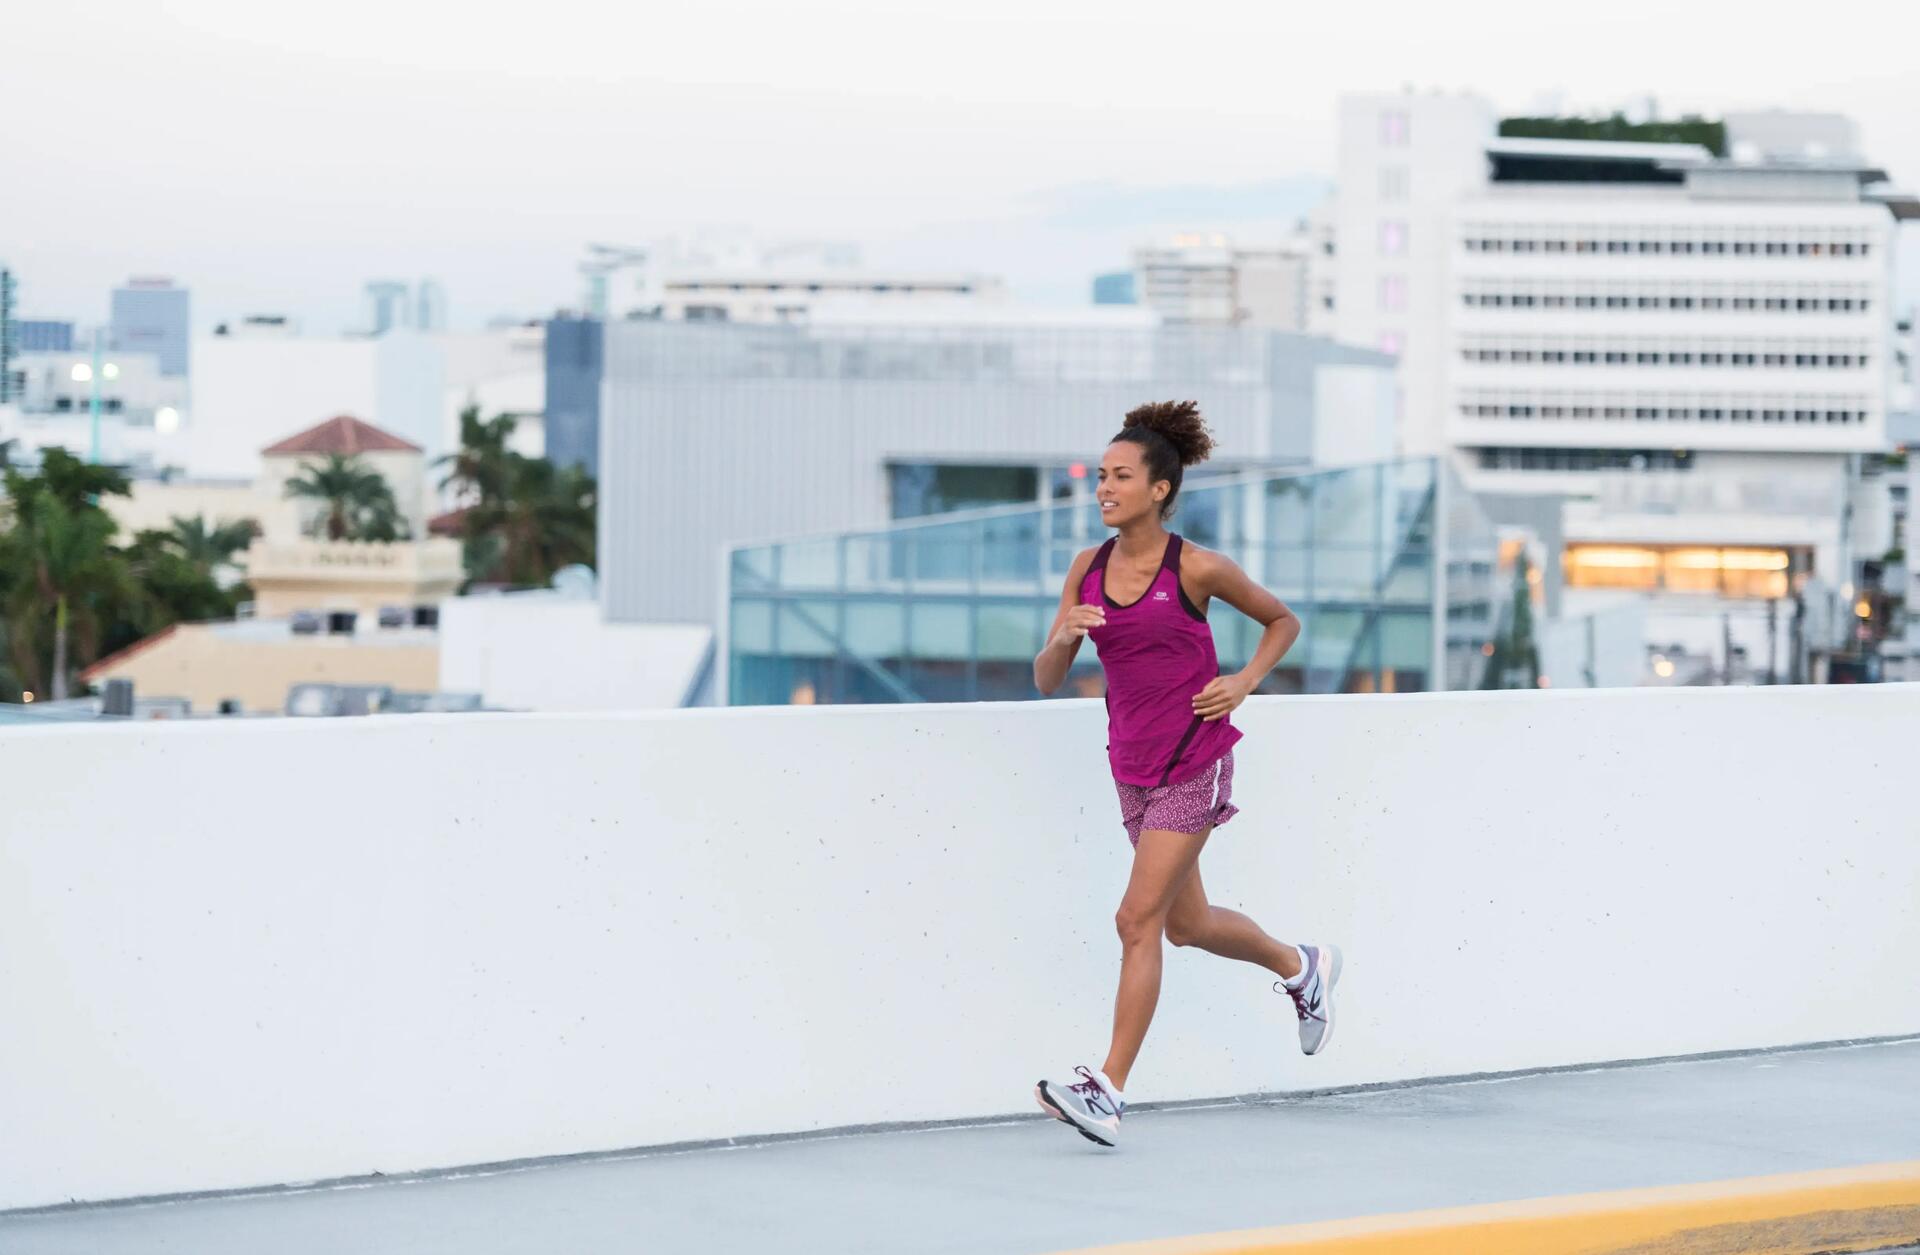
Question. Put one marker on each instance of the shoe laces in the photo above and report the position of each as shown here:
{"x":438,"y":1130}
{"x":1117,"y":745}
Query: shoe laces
{"x":1301,"y":1006}
{"x":1094,"y":1094}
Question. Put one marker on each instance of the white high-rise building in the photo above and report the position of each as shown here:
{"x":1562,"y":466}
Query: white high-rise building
{"x":1648,"y":297}
{"x":140,"y":406}
{"x":1404,"y":161}
{"x":1323,"y":261}
{"x":1693,"y":353}
{"x":249,"y":390}
{"x":1698,"y":354}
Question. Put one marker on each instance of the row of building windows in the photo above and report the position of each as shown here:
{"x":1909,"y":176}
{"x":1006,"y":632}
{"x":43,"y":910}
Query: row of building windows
{"x":1737,"y":354}
{"x":1804,"y":298}
{"x":70,"y":405}
{"x":1503,"y":459}
{"x":1804,"y":410}
{"x":1672,"y":241}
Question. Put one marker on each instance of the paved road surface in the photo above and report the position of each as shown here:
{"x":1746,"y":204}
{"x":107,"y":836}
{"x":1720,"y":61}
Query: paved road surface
{"x":1034,"y":1186}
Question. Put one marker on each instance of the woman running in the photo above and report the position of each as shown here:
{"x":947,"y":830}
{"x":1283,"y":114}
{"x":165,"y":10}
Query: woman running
{"x":1143,"y":597}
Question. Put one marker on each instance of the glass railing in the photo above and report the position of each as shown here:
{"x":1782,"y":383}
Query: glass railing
{"x":954,"y":607}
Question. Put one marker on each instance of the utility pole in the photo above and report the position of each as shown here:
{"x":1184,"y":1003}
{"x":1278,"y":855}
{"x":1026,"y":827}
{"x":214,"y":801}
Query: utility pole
{"x":93,"y":406}
{"x":1773,"y":639}
{"x":1796,"y":660}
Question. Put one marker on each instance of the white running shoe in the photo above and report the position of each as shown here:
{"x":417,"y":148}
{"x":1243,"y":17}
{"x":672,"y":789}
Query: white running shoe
{"x":1313,"y":995}
{"x":1089,"y":1105}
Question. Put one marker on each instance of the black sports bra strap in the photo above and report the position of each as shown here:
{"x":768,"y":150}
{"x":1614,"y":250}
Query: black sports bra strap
{"x":1170,"y":561}
{"x":1100,"y":558}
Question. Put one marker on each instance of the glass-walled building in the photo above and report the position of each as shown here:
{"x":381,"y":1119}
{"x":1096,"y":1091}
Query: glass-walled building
{"x":1390,"y":566}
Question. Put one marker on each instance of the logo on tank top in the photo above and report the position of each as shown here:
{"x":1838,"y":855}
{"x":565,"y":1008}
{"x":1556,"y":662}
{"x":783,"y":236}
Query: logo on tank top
{"x":1160,"y":595}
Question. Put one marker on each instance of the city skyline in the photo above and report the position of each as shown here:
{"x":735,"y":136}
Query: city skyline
{"x":1041,"y":148}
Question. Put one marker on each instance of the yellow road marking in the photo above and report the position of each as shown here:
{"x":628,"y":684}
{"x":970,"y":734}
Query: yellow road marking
{"x":1841,"y":1209}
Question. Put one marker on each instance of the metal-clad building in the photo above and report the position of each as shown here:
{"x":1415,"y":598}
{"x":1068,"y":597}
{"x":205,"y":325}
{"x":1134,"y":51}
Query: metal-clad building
{"x":152,"y":316}
{"x":573,"y":392}
{"x":45,"y":335}
{"x":723,"y":433}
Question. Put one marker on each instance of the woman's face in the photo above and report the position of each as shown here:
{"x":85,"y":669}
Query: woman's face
{"x":1127,"y":492}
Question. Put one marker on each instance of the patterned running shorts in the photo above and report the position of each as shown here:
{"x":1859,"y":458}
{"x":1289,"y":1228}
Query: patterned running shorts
{"x":1192,"y":805}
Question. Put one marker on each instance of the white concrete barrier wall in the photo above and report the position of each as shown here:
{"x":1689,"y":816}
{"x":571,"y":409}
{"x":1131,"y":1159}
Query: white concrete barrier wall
{"x":238,"y":954}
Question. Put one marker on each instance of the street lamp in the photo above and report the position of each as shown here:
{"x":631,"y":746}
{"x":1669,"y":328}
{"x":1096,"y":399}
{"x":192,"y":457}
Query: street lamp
{"x":83,"y":373}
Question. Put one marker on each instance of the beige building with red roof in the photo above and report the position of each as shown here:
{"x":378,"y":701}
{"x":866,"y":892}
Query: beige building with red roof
{"x":400,"y":462}
{"x":302,"y":572}
{"x":258,"y":660}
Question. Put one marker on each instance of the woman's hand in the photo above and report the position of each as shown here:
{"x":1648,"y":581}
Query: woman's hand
{"x":1221,"y":697}
{"x":1079,"y":621}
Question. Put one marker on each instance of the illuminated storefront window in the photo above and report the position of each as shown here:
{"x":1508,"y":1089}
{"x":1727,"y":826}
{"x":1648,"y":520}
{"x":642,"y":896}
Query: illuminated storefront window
{"x":1719,"y":572}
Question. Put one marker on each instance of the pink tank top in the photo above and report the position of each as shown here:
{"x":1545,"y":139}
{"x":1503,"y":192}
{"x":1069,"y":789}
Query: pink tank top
{"x":1157,"y":652}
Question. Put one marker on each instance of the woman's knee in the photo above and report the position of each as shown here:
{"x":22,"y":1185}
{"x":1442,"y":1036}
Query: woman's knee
{"x":1137,"y":926}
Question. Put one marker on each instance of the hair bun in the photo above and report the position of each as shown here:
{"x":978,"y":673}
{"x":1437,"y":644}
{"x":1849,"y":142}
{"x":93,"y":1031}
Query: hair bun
{"x":1180,"y":423}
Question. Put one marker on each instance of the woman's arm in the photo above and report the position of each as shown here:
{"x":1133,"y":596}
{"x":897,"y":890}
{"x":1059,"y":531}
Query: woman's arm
{"x":1216,"y":575}
{"x":1070,"y":624}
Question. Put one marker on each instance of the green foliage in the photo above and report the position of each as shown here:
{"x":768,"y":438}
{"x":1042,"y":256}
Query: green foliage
{"x":78,"y":483}
{"x":66,"y":584}
{"x":358,"y":501}
{"x":180,"y":587}
{"x":1515,"y":661}
{"x":478,"y":472}
{"x":1688,"y":130}
{"x":211,"y":547}
{"x":524,"y":518}
{"x":69,"y":594}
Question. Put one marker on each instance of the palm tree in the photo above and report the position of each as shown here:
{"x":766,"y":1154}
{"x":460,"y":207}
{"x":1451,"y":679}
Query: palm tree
{"x":478,"y":473}
{"x":178,"y":588}
{"x":359,"y":502}
{"x":547,"y":521}
{"x":80,"y":484}
{"x":68,"y":594}
{"x":63,"y":563}
{"x":550,"y":520}
{"x":522,"y":518}
{"x":210,"y":547}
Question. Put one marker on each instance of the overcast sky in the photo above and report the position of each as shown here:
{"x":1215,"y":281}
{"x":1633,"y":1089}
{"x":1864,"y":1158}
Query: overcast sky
{"x":276,"y":156}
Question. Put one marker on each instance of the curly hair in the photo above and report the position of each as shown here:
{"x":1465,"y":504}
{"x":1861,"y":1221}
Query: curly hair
{"x":1172,"y":436}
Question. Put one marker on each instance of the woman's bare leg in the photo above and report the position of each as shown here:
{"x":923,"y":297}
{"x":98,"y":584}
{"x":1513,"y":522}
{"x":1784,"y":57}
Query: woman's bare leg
{"x":1161,"y":865}
{"x":1192,"y":921}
